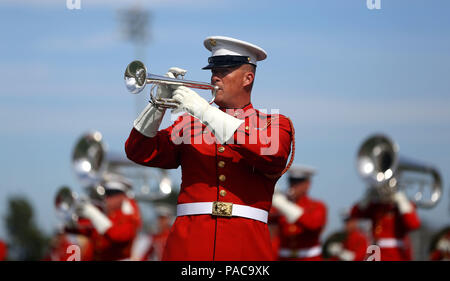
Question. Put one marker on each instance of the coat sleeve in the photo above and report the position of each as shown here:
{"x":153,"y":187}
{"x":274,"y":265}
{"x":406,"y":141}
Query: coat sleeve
{"x":411,"y":220}
{"x":266,"y":144}
{"x":160,"y":151}
{"x":314,"y":217}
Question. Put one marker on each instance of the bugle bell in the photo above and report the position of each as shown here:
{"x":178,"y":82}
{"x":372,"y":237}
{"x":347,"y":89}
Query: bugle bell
{"x":91,"y":160}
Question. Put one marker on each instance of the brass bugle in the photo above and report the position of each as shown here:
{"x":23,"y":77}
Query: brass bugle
{"x":137,"y":77}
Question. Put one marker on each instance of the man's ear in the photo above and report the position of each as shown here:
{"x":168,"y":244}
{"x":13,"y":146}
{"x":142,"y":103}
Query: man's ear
{"x":248,"y":78}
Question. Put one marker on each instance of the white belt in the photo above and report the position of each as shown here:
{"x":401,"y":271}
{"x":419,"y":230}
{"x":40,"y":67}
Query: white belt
{"x":390,"y":243}
{"x":223,"y":209}
{"x":301,"y":253}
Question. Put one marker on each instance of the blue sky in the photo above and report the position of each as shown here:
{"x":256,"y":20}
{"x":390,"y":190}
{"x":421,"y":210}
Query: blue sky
{"x":338,"y":69}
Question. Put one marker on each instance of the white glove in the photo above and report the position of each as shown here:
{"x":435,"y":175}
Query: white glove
{"x":149,"y":120}
{"x":403,"y":204}
{"x":100,"y":222}
{"x":337,"y":249}
{"x":289,"y":209}
{"x":165,"y":91}
{"x":220,"y":123}
{"x":443,"y":245}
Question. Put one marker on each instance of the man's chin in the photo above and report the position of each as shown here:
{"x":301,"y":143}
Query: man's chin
{"x":219,"y":100}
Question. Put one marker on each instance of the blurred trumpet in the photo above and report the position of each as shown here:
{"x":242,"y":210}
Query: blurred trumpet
{"x":65,"y":204}
{"x":91,"y":161}
{"x":379,"y":163}
{"x":93,"y":164}
{"x":137,"y":77}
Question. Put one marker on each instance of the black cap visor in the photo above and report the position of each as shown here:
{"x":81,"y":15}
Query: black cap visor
{"x":226,"y":61}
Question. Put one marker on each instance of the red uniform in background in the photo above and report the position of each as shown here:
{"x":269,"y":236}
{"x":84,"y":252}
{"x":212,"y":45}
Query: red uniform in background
{"x":158,"y":243}
{"x":61,"y":248}
{"x":239,"y":173}
{"x":3,"y":251}
{"x":158,"y":240}
{"x":390,"y":226}
{"x":302,"y":219}
{"x":357,"y":244}
{"x":116,"y":242}
{"x":349,"y":245}
{"x":301,"y":240}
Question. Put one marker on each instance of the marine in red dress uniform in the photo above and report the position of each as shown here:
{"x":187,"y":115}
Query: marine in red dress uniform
{"x":113,"y":227}
{"x":230,"y":158}
{"x":354,"y":245}
{"x":392,"y":217}
{"x":159,"y":239}
{"x":302,"y":219}
{"x":60,"y":247}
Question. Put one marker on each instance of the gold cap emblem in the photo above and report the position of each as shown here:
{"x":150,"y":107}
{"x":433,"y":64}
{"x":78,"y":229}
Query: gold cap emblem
{"x":212,"y":42}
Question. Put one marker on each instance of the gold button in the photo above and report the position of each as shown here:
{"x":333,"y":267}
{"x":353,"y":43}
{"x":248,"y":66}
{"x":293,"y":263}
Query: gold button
{"x":221,"y":164}
{"x":222,"y":177}
{"x":221,"y":149}
{"x":246,"y":128}
{"x":223,"y":193}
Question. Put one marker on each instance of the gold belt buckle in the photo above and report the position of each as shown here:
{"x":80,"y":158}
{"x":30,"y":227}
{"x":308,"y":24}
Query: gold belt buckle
{"x":222,"y":209}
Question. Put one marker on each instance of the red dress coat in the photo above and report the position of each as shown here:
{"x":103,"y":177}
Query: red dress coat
{"x":357,"y":243}
{"x":305,"y":233}
{"x":389,"y":224}
{"x":242,"y":172}
{"x":61,"y":250}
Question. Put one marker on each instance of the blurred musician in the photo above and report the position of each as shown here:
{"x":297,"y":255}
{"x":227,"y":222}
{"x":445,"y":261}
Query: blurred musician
{"x":302,"y":218}
{"x":113,"y":222}
{"x":158,"y":240}
{"x":393,"y":217}
{"x":61,"y":247}
{"x":3,"y":251}
{"x":353,"y":243}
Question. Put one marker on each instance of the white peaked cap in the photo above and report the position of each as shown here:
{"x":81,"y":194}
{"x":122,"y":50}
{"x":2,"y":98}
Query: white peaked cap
{"x":223,"y":46}
{"x":116,"y":182}
{"x":301,"y":172}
